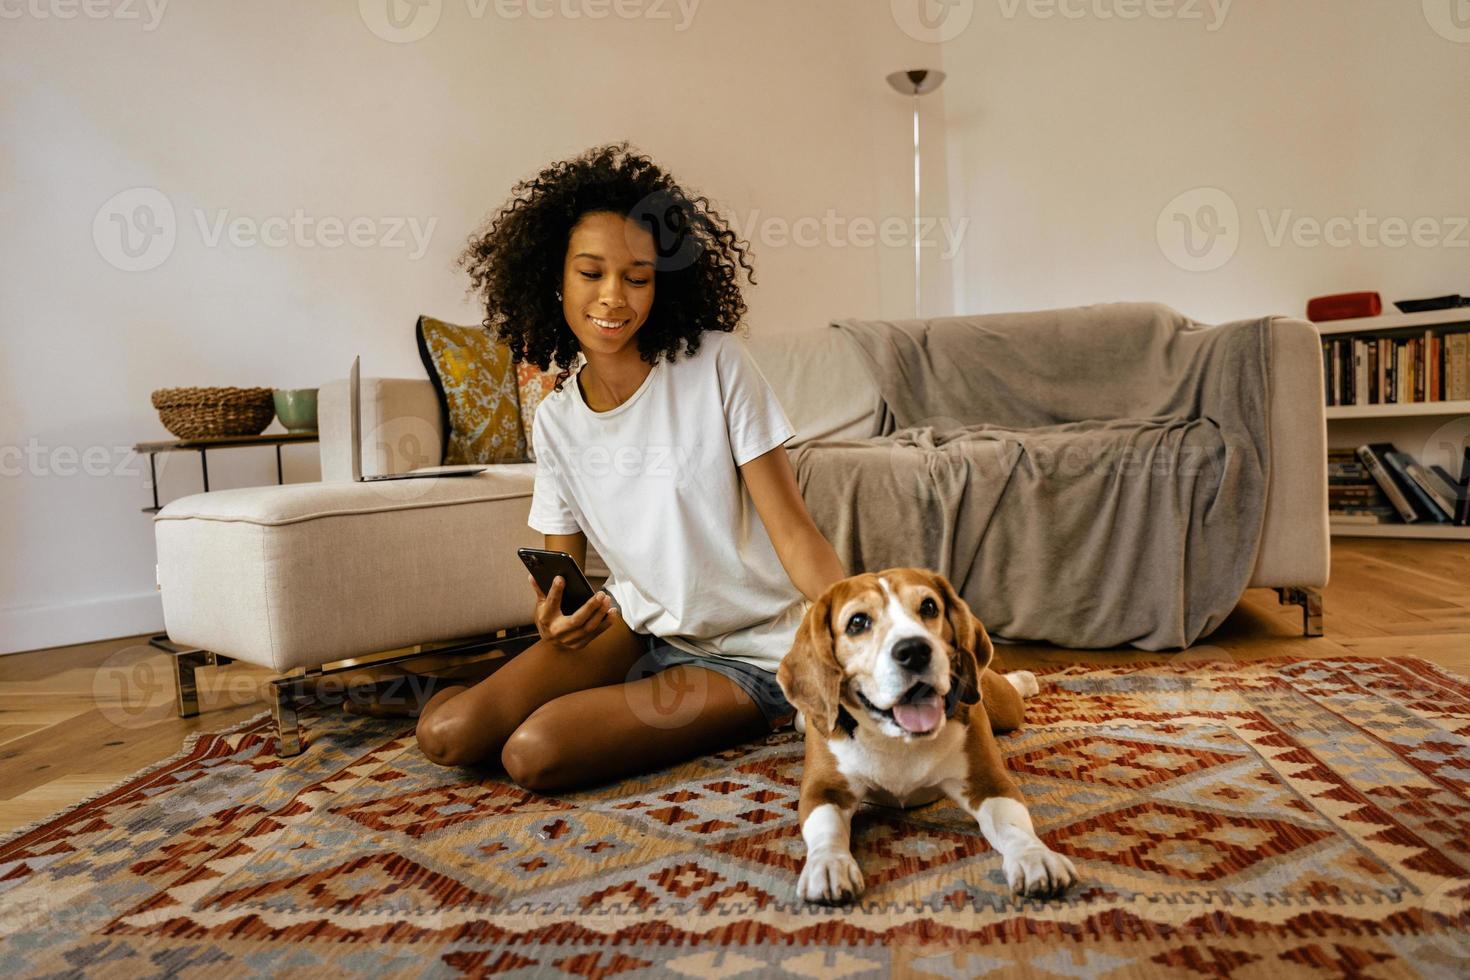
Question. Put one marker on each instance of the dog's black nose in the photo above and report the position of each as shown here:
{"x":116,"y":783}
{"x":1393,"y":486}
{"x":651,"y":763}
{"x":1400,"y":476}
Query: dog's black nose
{"x":912,"y":654}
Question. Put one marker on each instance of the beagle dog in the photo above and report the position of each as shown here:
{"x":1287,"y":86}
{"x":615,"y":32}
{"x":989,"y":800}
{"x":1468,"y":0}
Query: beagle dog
{"x":890,"y":673}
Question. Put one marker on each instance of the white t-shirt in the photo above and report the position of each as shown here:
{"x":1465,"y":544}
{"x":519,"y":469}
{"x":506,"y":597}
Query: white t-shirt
{"x":653,"y":483}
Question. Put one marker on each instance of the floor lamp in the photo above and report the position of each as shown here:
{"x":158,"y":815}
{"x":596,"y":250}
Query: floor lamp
{"x":916,"y":82}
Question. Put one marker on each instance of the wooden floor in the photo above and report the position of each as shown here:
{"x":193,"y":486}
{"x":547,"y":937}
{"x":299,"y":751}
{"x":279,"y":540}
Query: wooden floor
{"x":76,"y":720}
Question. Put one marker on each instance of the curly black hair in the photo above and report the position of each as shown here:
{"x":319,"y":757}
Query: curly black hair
{"x":516,"y":262}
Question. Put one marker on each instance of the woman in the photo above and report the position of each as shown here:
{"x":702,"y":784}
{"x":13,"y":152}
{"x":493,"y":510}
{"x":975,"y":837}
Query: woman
{"x":672,"y":466}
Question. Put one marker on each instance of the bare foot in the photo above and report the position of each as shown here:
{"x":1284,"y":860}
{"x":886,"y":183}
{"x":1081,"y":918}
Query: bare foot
{"x":396,"y":697}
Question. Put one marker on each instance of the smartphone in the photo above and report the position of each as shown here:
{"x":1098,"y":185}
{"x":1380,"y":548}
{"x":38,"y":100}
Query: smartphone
{"x":545,"y":566}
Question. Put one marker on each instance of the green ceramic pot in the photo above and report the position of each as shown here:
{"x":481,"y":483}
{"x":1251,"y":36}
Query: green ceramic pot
{"x":296,"y":408}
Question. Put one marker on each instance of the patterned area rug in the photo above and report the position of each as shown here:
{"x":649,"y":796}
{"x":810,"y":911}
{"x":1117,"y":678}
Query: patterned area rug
{"x":1244,"y":820}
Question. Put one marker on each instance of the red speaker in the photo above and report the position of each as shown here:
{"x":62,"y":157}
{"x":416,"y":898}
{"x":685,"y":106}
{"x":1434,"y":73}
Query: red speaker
{"x":1344,"y":306}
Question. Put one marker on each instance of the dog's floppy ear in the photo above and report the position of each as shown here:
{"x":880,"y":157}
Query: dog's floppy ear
{"x":972,"y":644}
{"x":809,"y":674}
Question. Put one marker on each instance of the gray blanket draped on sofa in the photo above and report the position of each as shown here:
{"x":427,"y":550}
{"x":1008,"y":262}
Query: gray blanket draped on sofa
{"x":1088,"y":477}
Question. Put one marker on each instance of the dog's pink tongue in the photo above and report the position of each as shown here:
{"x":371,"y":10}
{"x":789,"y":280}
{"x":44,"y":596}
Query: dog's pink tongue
{"x":921,"y":715}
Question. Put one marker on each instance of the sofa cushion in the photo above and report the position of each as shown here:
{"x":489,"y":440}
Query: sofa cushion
{"x":821,"y":382}
{"x":535,"y":384}
{"x":477,"y":387}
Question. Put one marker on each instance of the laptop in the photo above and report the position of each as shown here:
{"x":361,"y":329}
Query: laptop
{"x":354,"y":386}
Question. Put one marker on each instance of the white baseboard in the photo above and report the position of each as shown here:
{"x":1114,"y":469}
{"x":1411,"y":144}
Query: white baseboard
{"x":25,"y":628}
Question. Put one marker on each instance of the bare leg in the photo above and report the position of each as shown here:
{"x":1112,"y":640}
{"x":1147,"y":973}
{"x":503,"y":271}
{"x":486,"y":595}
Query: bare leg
{"x":594,"y":736}
{"x":463,"y":725}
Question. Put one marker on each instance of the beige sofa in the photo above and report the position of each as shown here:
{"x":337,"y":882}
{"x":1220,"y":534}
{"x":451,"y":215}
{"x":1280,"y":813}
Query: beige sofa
{"x":293,"y":577}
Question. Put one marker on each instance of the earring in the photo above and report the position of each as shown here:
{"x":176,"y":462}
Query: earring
{"x":558,"y":294}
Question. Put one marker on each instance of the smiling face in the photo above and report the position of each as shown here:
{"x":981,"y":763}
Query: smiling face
{"x":607,"y":281}
{"x":898,"y":649}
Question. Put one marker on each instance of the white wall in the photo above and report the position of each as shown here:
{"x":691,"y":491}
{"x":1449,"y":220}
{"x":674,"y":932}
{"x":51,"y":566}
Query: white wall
{"x":263,"y":108}
{"x":1069,"y":135}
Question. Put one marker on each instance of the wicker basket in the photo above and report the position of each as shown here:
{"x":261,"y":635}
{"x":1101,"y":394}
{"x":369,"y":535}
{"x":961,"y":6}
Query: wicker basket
{"x":207,"y":413}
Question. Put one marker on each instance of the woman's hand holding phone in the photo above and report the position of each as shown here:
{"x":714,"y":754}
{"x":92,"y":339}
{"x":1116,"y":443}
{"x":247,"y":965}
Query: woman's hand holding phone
{"x":580,"y":628}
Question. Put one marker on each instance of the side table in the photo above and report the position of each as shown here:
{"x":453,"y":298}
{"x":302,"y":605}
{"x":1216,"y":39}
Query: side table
{"x":202,"y":446}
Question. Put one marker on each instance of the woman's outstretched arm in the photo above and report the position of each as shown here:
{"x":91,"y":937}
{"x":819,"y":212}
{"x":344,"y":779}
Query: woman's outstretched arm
{"x":806,"y":554}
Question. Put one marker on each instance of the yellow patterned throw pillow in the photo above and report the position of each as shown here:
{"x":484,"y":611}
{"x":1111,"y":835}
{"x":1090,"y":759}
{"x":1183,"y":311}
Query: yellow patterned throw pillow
{"x":535,"y":385}
{"x":478,"y":393}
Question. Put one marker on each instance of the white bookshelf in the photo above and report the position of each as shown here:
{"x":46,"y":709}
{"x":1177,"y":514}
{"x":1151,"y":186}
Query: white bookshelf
{"x":1410,"y":426}
{"x":1397,"y":321}
{"x":1428,"y":532}
{"x":1397,"y":411}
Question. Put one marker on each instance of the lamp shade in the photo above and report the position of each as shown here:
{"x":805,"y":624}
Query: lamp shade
{"x":916,"y":81}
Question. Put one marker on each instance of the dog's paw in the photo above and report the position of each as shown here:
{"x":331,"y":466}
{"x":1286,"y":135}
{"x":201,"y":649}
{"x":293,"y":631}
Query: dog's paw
{"x":1024,"y":682}
{"x":830,"y":878}
{"x":1039,"y":872}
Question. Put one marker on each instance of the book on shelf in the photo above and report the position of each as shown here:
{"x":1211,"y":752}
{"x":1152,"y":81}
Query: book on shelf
{"x":1443,"y":492}
{"x":1396,"y":370}
{"x":1353,"y":500}
{"x":1376,"y":515}
{"x":1457,"y":359}
{"x":1397,"y":488}
{"x":1403,"y":468}
{"x":1462,"y":515}
{"x":1373,"y":460}
{"x":1352,"y":495}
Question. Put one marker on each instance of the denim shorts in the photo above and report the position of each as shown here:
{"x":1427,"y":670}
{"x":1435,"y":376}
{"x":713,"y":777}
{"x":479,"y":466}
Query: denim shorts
{"x":759,"y":684}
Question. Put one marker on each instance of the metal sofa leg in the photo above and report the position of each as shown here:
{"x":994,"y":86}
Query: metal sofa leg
{"x":186,"y":684}
{"x":1311,"y":602}
{"x":284,"y":703}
